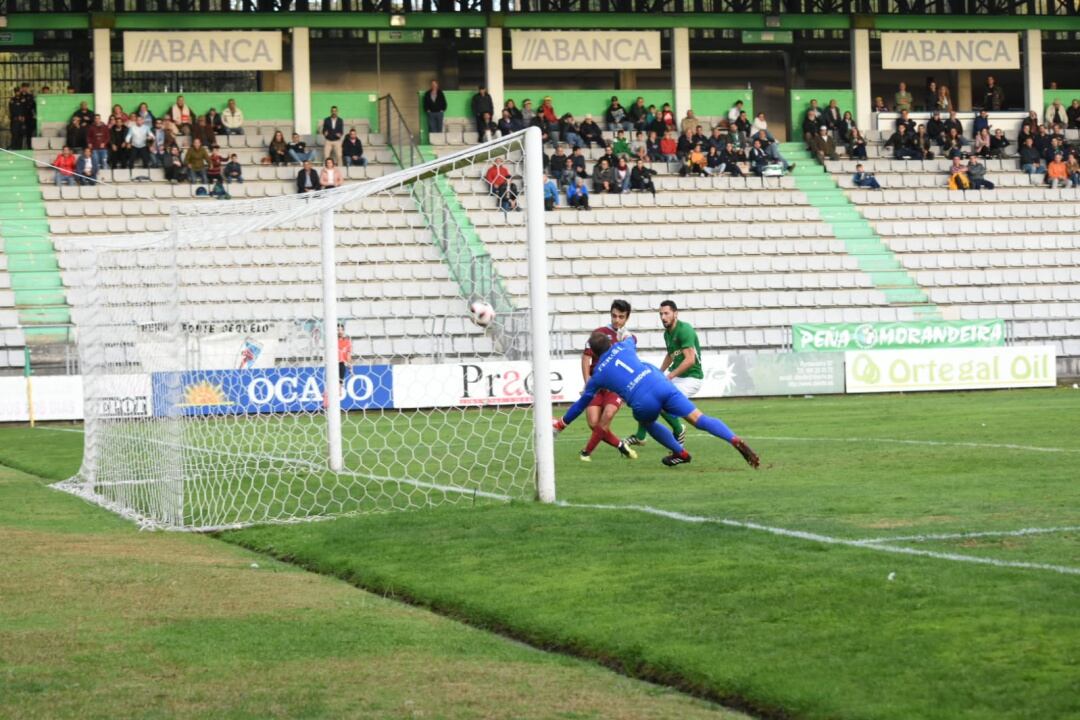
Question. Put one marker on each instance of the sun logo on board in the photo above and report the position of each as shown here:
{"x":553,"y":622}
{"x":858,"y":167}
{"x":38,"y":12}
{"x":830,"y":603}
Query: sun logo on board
{"x":204,"y":393}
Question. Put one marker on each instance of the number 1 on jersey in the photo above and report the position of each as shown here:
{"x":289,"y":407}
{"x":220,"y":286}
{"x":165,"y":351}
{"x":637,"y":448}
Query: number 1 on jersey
{"x":624,"y":366}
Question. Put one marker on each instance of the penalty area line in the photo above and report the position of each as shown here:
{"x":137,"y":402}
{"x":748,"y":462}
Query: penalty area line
{"x":932,"y":443}
{"x":965,"y":535}
{"x":827,"y":539}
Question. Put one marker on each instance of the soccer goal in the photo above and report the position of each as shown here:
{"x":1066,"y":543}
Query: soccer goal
{"x":297,"y":357}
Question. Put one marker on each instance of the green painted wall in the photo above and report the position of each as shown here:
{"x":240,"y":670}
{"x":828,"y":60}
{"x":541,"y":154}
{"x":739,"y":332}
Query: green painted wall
{"x":1066,"y":97}
{"x":256,"y":105}
{"x":718,"y":102}
{"x":353,"y":106}
{"x":800,"y":101}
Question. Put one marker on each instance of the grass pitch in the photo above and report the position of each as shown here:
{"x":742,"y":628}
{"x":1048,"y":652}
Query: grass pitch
{"x":792,"y":591}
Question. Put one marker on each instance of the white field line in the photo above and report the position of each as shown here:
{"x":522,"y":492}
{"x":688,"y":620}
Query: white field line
{"x":963,"y":536}
{"x":935,"y":443}
{"x":827,"y":539}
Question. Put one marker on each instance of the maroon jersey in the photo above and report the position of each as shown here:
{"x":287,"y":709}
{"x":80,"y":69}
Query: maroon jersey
{"x":611,"y":333}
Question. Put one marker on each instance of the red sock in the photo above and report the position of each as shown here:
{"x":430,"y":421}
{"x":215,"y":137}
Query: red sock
{"x":594,"y":440}
{"x":612,"y":439}
{"x":685,"y":454}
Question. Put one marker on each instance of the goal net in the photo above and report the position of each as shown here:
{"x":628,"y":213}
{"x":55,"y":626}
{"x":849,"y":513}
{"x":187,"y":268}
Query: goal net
{"x":304,"y":356}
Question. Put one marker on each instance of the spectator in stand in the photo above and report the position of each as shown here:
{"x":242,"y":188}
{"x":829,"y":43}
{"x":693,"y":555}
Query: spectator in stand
{"x":330,"y":175}
{"x":181,"y":115}
{"x":139,"y":140}
{"x":1031,"y":160}
{"x":232,"y":119}
{"x":172,"y":133}
{"x":811,"y":126}
{"x":667,"y":117}
{"x":591,"y":133}
{"x":157,"y":143}
{"x":954,"y":144}
{"x":714,"y":161}
{"x":278,"y":149}
{"x":760,"y":123}
{"x":76,"y":134}
{"x":641,"y":177}
{"x":143,"y":111}
{"x":935,"y":127}
{"x":732,"y":156}
{"x":174,"y":165}
{"x":550,"y":120}
{"x":1056,"y":113}
{"x":902,"y":98}
{"x":638,"y":113}
{"x":622,"y":174}
{"x":616,"y":117}
{"x":435,"y":107}
{"x":734,"y":111}
{"x":217,"y":164}
{"x":508,"y":123}
{"x":213,"y":121}
{"x":999,"y":144}
{"x":233,"y":172}
{"x":353,"y":150}
{"x":528,"y":114}
{"x":669,"y":148}
{"x":497,"y":178}
{"x":1057,"y":173}
{"x":118,"y":150}
{"x":982,"y":122}
{"x":924,"y":143}
{"x":976,"y":173}
{"x":690,"y":121}
{"x":577,"y":195}
{"x":551,"y":193}
{"x":86,"y":169}
{"x":307,"y":180}
{"x":684,"y":144}
{"x":903,"y":145}
{"x":197,"y":160}
{"x":878,"y":105}
{"x":621,"y":147}
{"x":816,"y":108}
{"x":603,"y":178}
{"x":1072,"y":167}
{"x":695,"y":162}
{"x":118,"y":113}
{"x":488,"y":129}
{"x":982,"y":143}
{"x":97,"y":139}
{"x":557,"y":160}
{"x":652,"y":147}
{"x":85,"y":114}
{"x":863,"y":179}
{"x":24,"y":126}
{"x":568,"y":131}
{"x":958,"y":177}
{"x":577,"y":159}
{"x":993,"y":95}
{"x":567,"y":174}
{"x":772,"y":150}
{"x":482,"y":103}
{"x":856,"y":146}
{"x":333,"y":132}
{"x":64,"y":174}
{"x":759,"y":159}
{"x":832,"y":118}
{"x":1073,"y":114}
{"x":823,"y":146}
{"x":930,"y":98}
{"x":943,"y":102}
{"x":298,"y":150}
{"x":844,"y":130}
{"x":512,"y":108}
{"x":204,"y":131}
{"x":906,"y":120}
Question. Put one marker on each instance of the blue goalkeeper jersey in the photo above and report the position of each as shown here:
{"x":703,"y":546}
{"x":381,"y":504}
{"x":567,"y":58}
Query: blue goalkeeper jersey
{"x":621,"y":371}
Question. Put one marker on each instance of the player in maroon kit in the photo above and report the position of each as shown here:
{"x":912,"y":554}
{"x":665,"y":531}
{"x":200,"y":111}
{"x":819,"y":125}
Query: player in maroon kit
{"x":606,"y":403}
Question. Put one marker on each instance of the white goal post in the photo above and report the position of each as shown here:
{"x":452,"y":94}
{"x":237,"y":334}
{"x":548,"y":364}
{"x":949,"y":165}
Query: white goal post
{"x":305,"y":356}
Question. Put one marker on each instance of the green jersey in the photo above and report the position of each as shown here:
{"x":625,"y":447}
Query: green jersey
{"x":677,"y":339}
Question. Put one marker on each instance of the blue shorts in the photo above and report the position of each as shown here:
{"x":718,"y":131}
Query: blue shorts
{"x":665,"y":397}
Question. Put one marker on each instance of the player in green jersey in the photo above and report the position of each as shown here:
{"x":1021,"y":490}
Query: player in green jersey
{"x":682,"y":365}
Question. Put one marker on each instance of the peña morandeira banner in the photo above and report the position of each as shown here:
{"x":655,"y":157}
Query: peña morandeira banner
{"x":897,"y":335}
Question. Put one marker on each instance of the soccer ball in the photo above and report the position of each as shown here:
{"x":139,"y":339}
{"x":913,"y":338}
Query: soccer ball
{"x":481,"y":313}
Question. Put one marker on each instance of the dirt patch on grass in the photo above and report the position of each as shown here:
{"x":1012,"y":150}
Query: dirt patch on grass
{"x":893,"y":523}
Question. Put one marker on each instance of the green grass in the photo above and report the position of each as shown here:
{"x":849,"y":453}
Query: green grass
{"x":780,"y":625}
{"x":99,"y":620}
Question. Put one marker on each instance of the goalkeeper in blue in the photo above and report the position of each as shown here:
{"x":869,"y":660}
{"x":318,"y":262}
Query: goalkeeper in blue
{"x":648,"y":392}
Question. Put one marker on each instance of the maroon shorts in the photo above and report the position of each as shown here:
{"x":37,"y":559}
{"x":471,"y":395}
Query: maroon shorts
{"x":606,"y":397}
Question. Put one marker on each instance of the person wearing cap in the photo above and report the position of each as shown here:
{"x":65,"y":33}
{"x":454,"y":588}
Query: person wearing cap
{"x":823,"y":146}
{"x":590,"y":132}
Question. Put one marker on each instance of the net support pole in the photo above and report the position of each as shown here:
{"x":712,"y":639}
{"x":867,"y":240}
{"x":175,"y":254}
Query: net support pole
{"x":330,"y":360}
{"x":538,"y":316}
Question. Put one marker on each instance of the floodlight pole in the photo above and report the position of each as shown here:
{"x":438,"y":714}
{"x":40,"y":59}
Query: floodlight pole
{"x":538,"y":316}
{"x":330,"y":360}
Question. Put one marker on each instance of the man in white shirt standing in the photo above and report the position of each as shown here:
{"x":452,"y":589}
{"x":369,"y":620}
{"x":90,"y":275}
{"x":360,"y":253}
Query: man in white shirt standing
{"x":139,"y":140}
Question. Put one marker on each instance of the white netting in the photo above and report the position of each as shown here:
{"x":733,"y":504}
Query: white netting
{"x":216,"y":330}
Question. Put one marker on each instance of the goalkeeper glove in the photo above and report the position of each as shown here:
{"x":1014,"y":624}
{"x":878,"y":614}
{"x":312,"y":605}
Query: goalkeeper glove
{"x":557,"y":426}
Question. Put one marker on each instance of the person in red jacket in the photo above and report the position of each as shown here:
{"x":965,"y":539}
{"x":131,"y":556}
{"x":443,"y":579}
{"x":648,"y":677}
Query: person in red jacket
{"x":497,"y":178}
{"x":65,"y":167}
{"x":669,"y":147}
